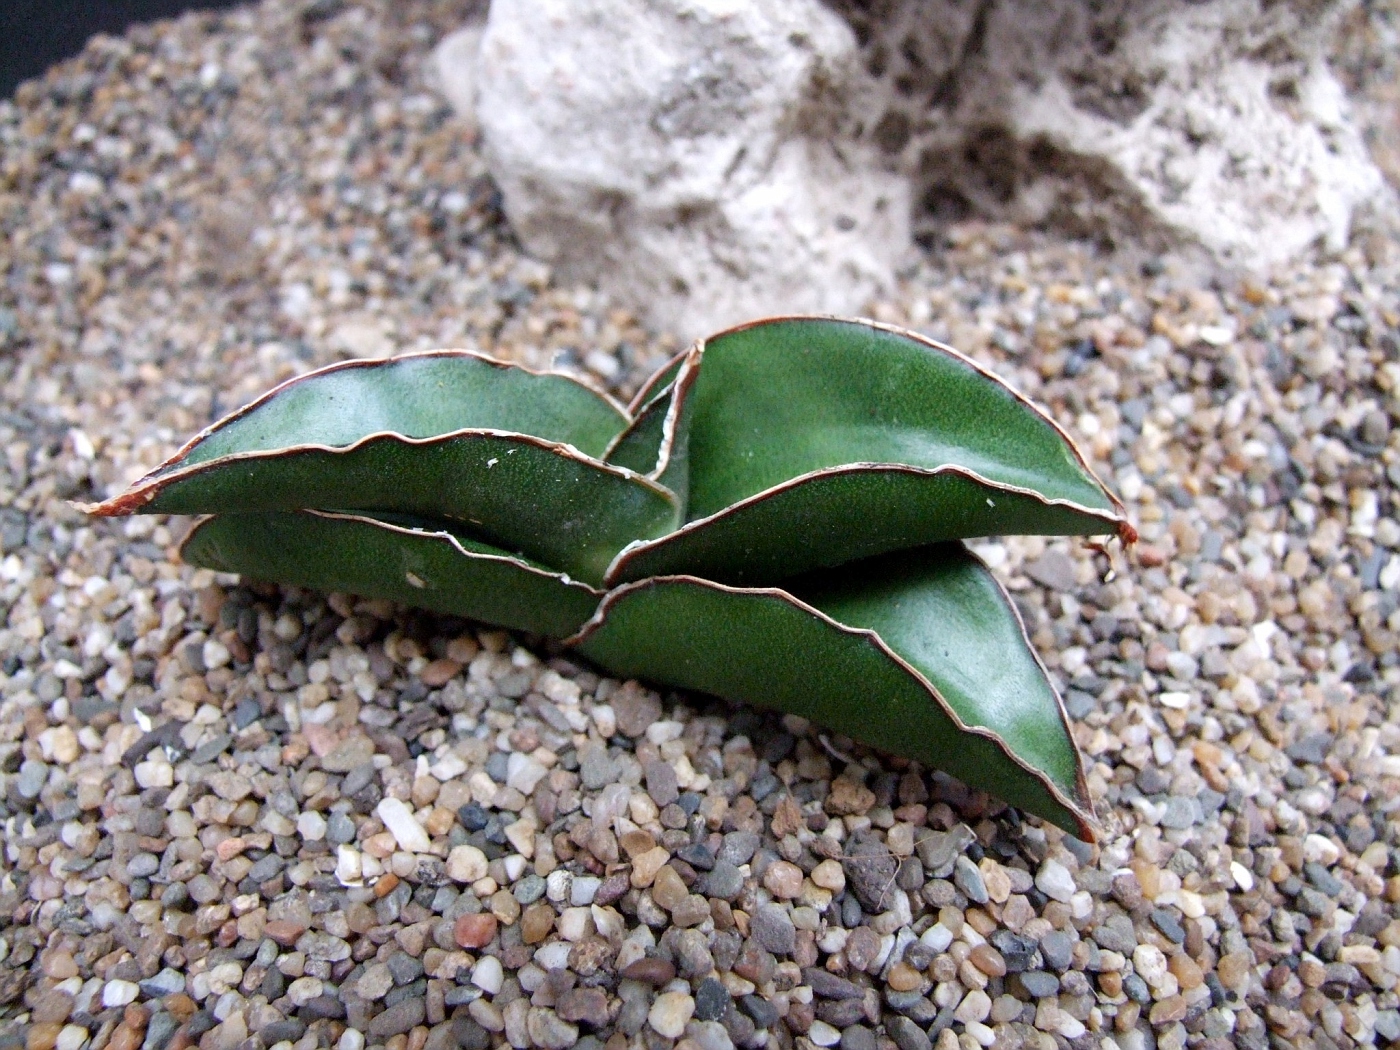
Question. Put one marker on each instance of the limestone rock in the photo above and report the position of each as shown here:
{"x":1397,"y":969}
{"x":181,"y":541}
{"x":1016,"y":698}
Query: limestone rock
{"x":690,"y":156}
{"x":1216,"y":123}
{"x":731,"y":159}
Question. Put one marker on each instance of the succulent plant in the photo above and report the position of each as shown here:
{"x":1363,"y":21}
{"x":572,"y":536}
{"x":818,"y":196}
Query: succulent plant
{"x":776,"y":519}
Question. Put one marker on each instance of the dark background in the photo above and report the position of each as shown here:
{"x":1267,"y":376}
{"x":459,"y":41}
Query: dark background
{"x":34,"y":34}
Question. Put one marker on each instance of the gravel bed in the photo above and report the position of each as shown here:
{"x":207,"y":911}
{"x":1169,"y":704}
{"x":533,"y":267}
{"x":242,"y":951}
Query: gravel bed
{"x":234,"y":816}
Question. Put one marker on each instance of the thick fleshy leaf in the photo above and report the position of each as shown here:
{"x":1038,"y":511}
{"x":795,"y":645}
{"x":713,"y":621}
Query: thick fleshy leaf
{"x":781,"y":406}
{"x":418,"y":396}
{"x":919,"y":653}
{"x":520,"y":493}
{"x":431,"y":568}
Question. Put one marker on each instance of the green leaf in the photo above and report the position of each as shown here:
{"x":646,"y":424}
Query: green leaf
{"x":919,"y":653}
{"x":814,"y":441}
{"x":416,"y":395}
{"x":839,"y":515}
{"x":657,"y":441}
{"x":520,"y":493}
{"x":430,"y":568}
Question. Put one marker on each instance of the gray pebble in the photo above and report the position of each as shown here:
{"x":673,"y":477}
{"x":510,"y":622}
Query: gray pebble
{"x":739,"y":847}
{"x":159,"y":1029}
{"x":1057,"y":949}
{"x":724,"y":881}
{"x":1167,"y":922}
{"x":142,"y":865}
{"x":397,"y":1019}
{"x":1180,"y":812}
{"x":772,"y":928}
{"x":33,"y":775}
{"x":906,"y":1034}
{"x":1116,"y":933}
{"x":1039,"y":984}
{"x":968,"y":878}
{"x":529,"y":888}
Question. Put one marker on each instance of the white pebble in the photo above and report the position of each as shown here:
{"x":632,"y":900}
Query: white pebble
{"x":575,"y":923}
{"x":311,"y":826}
{"x":215,"y":654}
{"x":1055,"y":881}
{"x":584,"y":889}
{"x":670,"y":1013}
{"x":488,"y":974}
{"x":1150,"y":964}
{"x":1242,"y":876}
{"x":351,"y":1039}
{"x":349,"y":866}
{"x":403,"y":825}
{"x":71,"y":1037}
{"x":156,"y":773}
{"x":304,"y":989}
{"x":119,"y":993}
{"x":822,"y":1034}
{"x":937,"y":937}
{"x":523,"y":773}
{"x":466,"y":864}
{"x":1319,"y":849}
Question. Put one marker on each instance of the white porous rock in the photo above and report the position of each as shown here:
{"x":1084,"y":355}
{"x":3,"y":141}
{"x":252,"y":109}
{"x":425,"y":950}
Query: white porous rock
{"x":697,"y":159}
{"x":1216,"y":124}
{"x":729,"y":160}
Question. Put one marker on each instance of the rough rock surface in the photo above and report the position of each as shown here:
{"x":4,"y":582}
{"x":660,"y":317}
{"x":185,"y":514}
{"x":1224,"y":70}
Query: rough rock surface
{"x":733,"y":162}
{"x":701,"y":171}
{"x":1216,"y":123}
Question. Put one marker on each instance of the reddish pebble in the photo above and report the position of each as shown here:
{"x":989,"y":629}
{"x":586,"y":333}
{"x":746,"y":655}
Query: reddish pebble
{"x":475,"y":931}
{"x":230,"y":848}
{"x":650,"y":971}
{"x":283,"y":932}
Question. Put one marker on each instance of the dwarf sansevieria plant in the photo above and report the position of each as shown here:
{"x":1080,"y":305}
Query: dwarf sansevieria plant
{"x":776,"y":518}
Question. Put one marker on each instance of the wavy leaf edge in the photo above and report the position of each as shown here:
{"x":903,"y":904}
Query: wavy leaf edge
{"x":1124,"y":529}
{"x":1117,"y":523}
{"x":369,"y":364}
{"x":148,"y":488}
{"x":451,"y":539}
{"x":1081,"y":810}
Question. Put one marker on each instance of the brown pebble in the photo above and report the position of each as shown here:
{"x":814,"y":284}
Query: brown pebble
{"x":1171,"y":1009}
{"x":1111,"y":984}
{"x":1233,"y":968}
{"x":650,"y":971}
{"x":125,"y":1037}
{"x":52,"y":1007}
{"x":180,"y":1006}
{"x":284,"y":932}
{"x":988,"y":960}
{"x":60,"y":966}
{"x":1188,"y":973}
{"x":862,"y":947}
{"x":668,"y":889}
{"x":904,"y":978}
{"x":43,"y":1035}
{"x":136,"y":1015}
{"x":783,"y":880}
{"x":386,"y":884}
{"x":536,"y":923}
{"x":475,"y":931}
{"x":438,"y":673}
